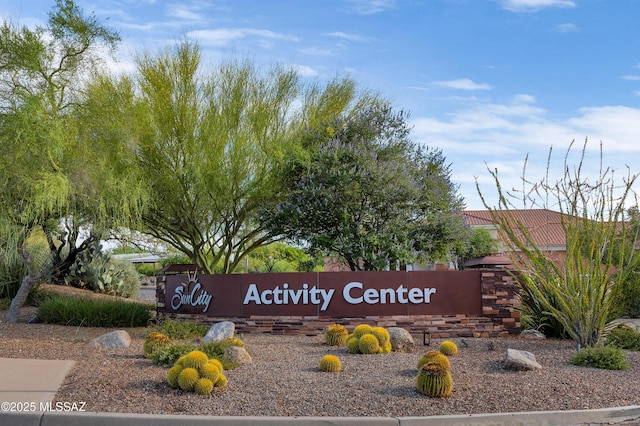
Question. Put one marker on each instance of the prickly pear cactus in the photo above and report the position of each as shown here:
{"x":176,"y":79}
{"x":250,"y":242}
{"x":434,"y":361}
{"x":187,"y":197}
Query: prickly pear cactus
{"x":434,"y":380}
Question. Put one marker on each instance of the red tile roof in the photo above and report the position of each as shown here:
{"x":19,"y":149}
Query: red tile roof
{"x":544,"y":225}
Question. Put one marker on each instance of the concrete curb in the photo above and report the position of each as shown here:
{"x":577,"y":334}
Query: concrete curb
{"x":626,"y":415}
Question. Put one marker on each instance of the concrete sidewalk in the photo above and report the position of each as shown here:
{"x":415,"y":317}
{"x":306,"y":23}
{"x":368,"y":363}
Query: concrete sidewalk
{"x":31,"y":380}
{"x":624,"y":415}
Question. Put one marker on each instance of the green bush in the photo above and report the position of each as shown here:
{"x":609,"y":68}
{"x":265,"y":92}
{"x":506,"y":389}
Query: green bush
{"x":168,"y":355}
{"x":146,"y":269}
{"x":605,"y":357}
{"x":179,"y":330}
{"x":216,"y":350}
{"x":94,"y":312}
{"x":624,"y":337}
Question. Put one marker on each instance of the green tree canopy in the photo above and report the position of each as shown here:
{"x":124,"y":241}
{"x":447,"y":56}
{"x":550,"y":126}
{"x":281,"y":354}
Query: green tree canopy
{"x":51,"y":175}
{"x":208,"y":143}
{"x":364,"y":192}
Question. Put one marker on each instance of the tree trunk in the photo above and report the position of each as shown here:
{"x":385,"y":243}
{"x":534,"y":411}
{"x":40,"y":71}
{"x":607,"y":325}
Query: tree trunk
{"x":28,"y":283}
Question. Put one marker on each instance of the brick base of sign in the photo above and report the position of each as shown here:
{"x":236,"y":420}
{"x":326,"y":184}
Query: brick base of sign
{"x":500,"y":302}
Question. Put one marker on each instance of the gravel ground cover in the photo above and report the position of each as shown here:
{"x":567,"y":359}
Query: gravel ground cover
{"x":284,"y":379}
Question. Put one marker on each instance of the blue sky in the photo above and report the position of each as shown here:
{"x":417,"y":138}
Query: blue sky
{"x":486,"y":81}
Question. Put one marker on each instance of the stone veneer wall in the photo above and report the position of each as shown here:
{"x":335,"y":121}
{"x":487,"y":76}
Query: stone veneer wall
{"x":499,"y":306}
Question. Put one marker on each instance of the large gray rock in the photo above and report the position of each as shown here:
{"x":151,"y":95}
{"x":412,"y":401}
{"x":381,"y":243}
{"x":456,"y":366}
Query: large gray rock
{"x":401,"y":340}
{"x":115,"y":340}
{"x":237,"y":355}
{"x":521,"y":360}
{"x":220,"y":331}
{"x":532,"y":334}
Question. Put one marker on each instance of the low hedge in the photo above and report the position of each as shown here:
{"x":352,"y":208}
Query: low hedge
{"x":94,"y":312}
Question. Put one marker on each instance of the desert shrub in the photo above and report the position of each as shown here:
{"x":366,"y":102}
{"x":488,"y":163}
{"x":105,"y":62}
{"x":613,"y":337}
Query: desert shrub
{"x":153,"y":343}
{"x":176,"y":329}
{"x":605,"y":357}
{"x":176,"y":353}
{"x":624,"y":337}
{"x":215,"y":350}
{"x":534,"y":316}
{"x":169,"y":355}
{"x":146,"y":269}
{"x":4,"y":304}
{"x":94,"y":312}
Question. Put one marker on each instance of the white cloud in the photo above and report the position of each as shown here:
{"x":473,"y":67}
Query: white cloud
{"x":224,"y":36}
{"x":568,"y":28}
{"x":369,"y":7}
{"x":305,"y":70}
{"x":347,"y":36}
{"x":534,"y":5}
{"x":316,"y":51}
{"x":462,"y":84}
{"x":184,"y":12}
{"x":501,"y":135}
{"x":631,"y":77}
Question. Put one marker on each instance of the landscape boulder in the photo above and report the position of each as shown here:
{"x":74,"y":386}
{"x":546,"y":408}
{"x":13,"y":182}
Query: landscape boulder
{"x":114,"y":340}
{"x":532,"y":334}
{"x":401,"y":340}
{"x":220,"y":331}
{"x":520,"y":360}
{"x":238,"y":355}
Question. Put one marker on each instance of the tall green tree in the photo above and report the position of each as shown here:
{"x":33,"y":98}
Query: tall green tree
{"x":364,"y":192}
{"x":210,"y":140}
{"x":577,"y":292}
{"x":48,"y":173}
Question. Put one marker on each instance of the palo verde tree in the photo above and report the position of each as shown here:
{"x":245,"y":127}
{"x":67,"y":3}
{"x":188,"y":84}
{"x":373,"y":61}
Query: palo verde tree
{"x":362,"y":191}
{"x":210,"y":140}
{"x":577,"y":291}
{"x":48,"y":172}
